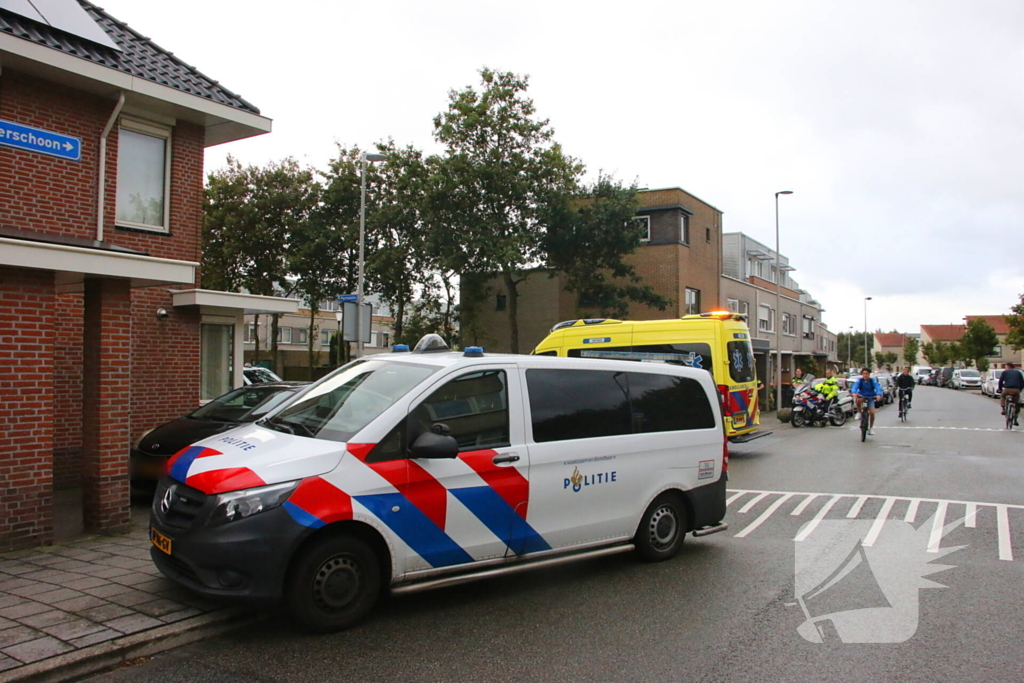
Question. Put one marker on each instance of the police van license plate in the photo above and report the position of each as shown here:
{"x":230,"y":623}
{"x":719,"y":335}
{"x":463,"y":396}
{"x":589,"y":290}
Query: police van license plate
{"x":160,"y":541}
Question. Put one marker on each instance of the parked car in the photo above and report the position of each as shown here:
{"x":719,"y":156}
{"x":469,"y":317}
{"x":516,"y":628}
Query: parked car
{"x":965,"y":378}
{"x":990,"y":383}
{"x":150,"y":452}
{"x":933,"y":378}
{"x":921,"y":373}
{"x":945,"y":375}
{"x":888,"y":386}
{"x":254,"y":374}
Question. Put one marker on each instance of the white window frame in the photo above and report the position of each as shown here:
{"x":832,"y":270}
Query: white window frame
{"x":788,"y":324}
{"x":284,"y":335}
{"x":157,"y":131}
{"x":765,"y":324}
{"x":303,"y":336}
{"x":745,"y":308}
{"x":326,"y":335}
{"x":684,"y":229}
{"x":646,"y":228}
{"x":734,"y":305}
{"x":695,"y":303}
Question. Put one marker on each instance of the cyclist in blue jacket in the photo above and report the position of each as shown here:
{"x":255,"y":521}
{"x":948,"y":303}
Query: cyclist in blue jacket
{"x":867,"y":390}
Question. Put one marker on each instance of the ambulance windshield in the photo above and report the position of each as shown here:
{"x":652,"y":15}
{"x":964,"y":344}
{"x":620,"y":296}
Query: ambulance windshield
{"x":343,"y":403}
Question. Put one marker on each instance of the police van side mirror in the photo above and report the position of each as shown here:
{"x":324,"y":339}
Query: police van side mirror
{"x":432,"y":445}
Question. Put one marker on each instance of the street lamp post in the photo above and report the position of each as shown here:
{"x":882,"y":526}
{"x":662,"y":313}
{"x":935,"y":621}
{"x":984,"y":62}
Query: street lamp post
{"x":849,"y":348}
{"x":778,"y":305}
{"x":367,"y":157}
{"x":867,"y":358}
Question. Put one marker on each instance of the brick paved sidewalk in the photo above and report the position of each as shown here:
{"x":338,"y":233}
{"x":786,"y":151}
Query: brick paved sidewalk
{"x":66,"y":598}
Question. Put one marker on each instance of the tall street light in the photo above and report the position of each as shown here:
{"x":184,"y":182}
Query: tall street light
{"x":867,"y":359}
{"x":849,"y":348}
{"x":778,"y":306}
{"x":367,"y":157}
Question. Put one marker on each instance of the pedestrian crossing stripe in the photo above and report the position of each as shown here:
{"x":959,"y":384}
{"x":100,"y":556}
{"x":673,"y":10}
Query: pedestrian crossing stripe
{"x":942,"y":509}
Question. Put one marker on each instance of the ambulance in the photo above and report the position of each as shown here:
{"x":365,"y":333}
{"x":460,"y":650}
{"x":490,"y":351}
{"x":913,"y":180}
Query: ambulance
{"x":412,"y":470}
{"x":718,"y":342}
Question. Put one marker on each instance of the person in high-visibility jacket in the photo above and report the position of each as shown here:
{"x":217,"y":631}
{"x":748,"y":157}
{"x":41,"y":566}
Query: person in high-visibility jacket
{"x":829,"y":389}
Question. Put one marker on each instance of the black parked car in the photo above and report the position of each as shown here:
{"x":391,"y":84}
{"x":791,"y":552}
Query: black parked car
{"x":248,"y":404}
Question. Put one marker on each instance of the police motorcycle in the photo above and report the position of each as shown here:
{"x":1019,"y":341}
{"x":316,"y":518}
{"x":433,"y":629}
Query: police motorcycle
{"x":809,"y":407}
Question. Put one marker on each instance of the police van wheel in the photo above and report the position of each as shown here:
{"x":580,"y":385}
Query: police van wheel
{"x":662,"y":528}
{"x":333,"y":584}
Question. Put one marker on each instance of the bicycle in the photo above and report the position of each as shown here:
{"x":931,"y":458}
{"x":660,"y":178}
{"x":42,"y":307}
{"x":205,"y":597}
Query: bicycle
{"x":865,"y":418}
{"x":904,"y":405}
{"x":1012,"y":408}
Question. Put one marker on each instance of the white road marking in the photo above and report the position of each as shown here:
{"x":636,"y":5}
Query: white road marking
{"x":803,"y":506}
{"x":734,"y":496}
{"x":756,"y":499}
{"x":765,"y":515}
{"x":1003,"y":522}
{"x":937,"y":531}
{"x":912,"y":511}
{"x":855,"y":510}
{"x":938,"y":521}
{"x":971,"y":515}
{"x":876,"y":528}
{"x":812,"y":525}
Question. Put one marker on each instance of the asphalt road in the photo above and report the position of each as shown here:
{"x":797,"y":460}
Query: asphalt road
{"x":727,"y":608}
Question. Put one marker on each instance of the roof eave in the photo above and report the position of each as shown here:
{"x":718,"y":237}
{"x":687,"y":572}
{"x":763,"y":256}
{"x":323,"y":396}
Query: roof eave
{"x":222,"y":123}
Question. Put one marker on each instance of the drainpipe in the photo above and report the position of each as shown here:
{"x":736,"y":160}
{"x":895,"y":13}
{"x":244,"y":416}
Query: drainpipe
{"x":103,"y":167}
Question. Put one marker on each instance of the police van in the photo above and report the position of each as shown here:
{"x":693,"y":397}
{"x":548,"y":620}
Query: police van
{"x":718,"y":342}
{"x":414,"y":470}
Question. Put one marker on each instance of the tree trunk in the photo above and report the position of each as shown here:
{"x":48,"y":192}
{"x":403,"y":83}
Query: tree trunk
{"x":399,"y":316}
{"x":256,"y":338}
{"x":275,"y":321}
{"x":311,"y":338}
{"x":449,"y":296}
{"x":513,"y":310}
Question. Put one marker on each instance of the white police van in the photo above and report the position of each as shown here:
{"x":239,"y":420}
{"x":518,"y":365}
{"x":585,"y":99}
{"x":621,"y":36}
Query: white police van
{"x":421,"y":469}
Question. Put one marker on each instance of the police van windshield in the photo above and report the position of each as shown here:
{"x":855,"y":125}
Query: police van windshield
{"x":345,"y":402}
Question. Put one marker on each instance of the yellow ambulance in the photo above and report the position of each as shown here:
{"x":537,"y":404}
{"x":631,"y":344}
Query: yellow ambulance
{"x":718,"y":342}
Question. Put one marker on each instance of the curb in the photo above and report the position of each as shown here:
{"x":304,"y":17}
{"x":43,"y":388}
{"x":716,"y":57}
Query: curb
{"x":89,"y":660}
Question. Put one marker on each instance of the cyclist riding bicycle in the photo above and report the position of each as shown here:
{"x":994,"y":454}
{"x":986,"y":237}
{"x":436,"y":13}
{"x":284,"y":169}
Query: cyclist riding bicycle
{"x":905,"y":382}
{"x":867,"y":390}
{"x":1011,"y":381}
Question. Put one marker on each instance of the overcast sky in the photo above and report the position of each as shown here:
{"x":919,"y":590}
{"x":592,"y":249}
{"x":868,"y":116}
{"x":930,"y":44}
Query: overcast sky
{"x":898,"y":125}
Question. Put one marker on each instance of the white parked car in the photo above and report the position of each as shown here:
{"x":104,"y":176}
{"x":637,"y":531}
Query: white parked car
{"x":990,"y":383}
{"x":921,"y":373}
{"x":965,"y":378}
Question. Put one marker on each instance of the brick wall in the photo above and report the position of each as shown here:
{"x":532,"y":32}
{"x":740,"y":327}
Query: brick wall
{"x":26,"y":418}
{"x":67,"y":437}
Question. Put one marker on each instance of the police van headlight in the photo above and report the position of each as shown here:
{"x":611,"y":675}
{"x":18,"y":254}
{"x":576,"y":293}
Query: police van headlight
{"x":237,"y":505}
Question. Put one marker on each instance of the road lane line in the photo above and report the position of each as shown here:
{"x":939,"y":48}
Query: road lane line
{"x":806,"y":531}
{"x":876,"y":528}
{"x":912,"y":510}
{"x":765,"y":515}
{"x":971,"y":515}
{"x":803,"y":506}
{"x":855,"y":510}
{"x":756,"y":499}
{"x":938,"y":521}
{"x":735,"y":496}
{"x":1003,"y":522}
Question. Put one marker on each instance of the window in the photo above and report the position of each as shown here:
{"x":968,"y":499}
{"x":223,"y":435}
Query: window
{"x":386,"y":339}
{"x":808,"y":327}
{"x":284,"y":335}
{"x":250,"y":333}
{"x":215,"y":361}
{"x":734,"y":305}
{"x":759,"y":269}
{"x":500,"y":302}
{"x":300,"y":335}
{"x":996,"y":352}
{"x":692,"y":301}
{"x":741,"y":361}
{"x":643,"y":224}
{"x":744,"y":308}
{"x":788,"y":324}
{"x":773,"y":275}
{"x":765,"y":318}
{"x":473,"y":406}
{"x":690,"y":354}
{"x":684,"y":229}
{"x":326,"y":336}
{"x":585,"y":404}
{"x":143,"y":175}
{"x":707,"y":235}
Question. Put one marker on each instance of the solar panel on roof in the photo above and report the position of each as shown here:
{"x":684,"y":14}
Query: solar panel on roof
{"x":67,"y":15}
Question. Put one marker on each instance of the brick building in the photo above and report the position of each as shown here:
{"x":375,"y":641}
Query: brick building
{"x":1002,"y":354}
{"x":103,"y":330}
{"x":891,"y":342}
{"x":680,"y":257}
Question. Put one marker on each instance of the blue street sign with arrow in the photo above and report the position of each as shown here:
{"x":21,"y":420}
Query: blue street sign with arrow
{"x":41,"y":141}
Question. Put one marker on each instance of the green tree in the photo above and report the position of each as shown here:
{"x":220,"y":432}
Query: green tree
{"x":587,"y":237}
{"x":250,"y":214}
{"x":501,"y":168}
{"x":1015,"y":320}
{"x":938,"y":353}
{"x":911,"y":349}
{"x":979,"y":340}
{"x":850,"y":347}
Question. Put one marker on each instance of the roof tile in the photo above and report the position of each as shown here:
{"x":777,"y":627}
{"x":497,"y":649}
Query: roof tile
{"x":943,"y":332}
{"x":997,"y":322}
